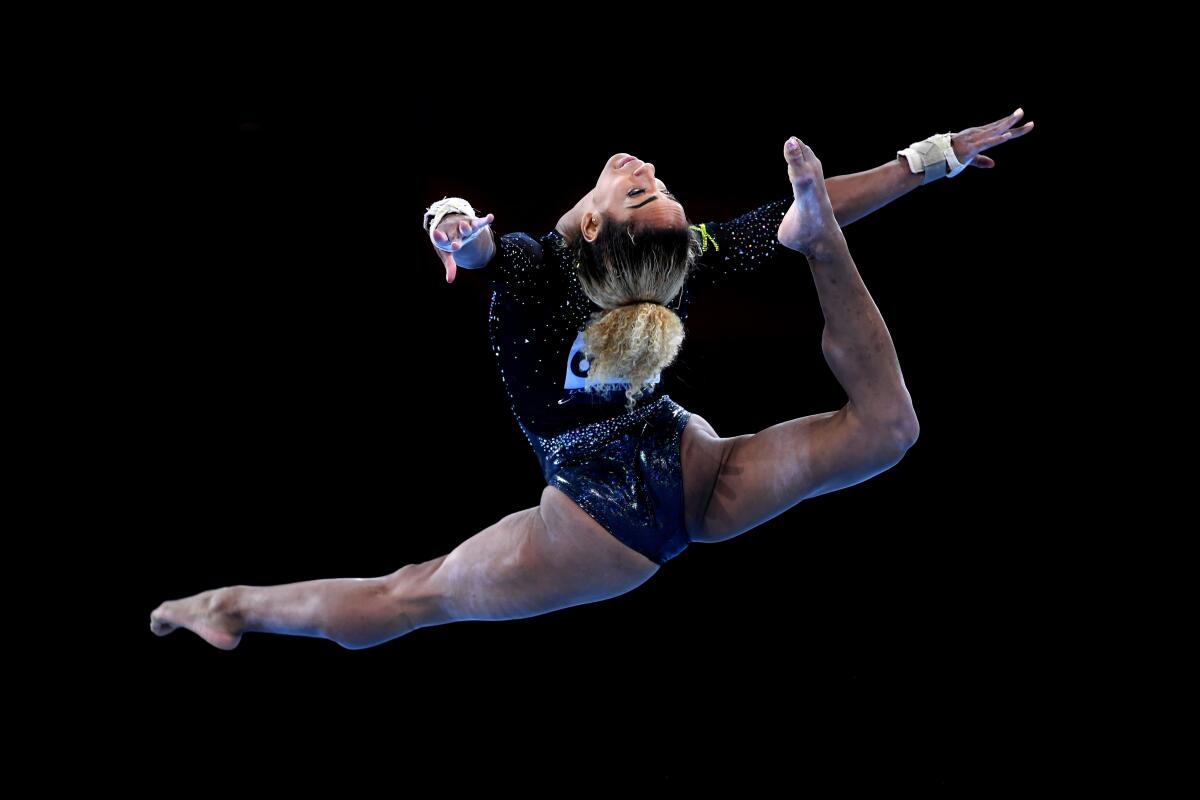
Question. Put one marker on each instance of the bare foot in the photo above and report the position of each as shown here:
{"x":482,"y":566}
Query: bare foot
{"x":210,"y":615}
{"x":809,"y":225}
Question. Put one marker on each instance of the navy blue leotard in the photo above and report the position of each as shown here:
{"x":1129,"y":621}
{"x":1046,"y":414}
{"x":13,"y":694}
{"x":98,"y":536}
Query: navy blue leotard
{"x":622,"y":468}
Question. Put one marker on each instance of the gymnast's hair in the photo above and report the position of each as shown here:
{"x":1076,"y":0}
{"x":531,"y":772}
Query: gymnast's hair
{"x":632,"y":272}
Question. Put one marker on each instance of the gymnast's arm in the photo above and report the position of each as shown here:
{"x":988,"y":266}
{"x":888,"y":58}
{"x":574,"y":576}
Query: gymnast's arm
{"x":852,"y":196}
{"x":855,"y":195}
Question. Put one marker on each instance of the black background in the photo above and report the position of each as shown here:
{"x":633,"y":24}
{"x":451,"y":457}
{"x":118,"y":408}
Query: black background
{"x":310,"y":399}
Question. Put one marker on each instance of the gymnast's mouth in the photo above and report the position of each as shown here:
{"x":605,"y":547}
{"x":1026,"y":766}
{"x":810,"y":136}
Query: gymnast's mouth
{"x":625,"y":161}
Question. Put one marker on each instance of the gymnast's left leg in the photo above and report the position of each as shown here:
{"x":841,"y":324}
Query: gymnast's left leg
{"x":531,"y":562}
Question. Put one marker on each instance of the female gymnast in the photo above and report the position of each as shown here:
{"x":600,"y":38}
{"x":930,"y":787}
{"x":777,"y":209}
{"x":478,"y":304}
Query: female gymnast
{"x":582,"y":322}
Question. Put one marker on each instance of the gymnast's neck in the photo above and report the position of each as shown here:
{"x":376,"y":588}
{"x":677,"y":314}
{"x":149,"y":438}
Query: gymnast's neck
{"x":570,"y":223}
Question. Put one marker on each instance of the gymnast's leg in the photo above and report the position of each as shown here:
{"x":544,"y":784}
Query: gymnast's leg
{"x":759,"y":476}
{"x":355,"y":612}
{"x":531,"y":562}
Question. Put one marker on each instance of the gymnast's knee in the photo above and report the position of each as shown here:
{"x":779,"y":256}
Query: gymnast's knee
{"x":419,"y":595}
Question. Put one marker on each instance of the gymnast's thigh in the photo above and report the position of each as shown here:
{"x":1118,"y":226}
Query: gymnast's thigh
{"x":701,"y":453}
{"x":534,"y":561}
{"x":572,"y":543}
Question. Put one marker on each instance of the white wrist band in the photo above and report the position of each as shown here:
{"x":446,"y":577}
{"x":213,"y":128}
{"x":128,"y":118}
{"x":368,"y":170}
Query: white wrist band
{"x":934,"y":157}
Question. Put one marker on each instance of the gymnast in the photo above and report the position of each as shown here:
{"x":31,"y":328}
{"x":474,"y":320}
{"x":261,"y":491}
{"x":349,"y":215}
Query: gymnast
{"x":583,"y":321}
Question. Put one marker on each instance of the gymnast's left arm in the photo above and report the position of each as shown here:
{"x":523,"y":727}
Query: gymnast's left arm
{"x":858,"y":194}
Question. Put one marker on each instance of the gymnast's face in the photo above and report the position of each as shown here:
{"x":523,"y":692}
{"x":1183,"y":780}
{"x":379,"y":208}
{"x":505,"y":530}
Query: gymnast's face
{"x":628,"y":190}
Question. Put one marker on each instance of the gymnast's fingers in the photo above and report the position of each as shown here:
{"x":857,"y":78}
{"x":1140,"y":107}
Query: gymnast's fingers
{"x":469,"y":229}
{"x":443,"y":241}
{"x":445,"y":249}
{"x":447,"y":260}
{"x":1006,"y":123}
{"x":1008,"y":136}
{"x":480,"y":223}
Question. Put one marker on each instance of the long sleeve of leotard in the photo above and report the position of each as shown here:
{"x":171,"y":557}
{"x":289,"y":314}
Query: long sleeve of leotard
{"x":744,"y":244}
{"x":518,"y":259}
{"x":522,"y":267}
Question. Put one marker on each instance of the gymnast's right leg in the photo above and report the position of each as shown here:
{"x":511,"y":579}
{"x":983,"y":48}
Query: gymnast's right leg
{"x":531,"y":562}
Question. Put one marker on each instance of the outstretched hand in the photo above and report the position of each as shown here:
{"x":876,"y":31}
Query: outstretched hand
{"x":454,"y":231}
{"x":970,"y":142}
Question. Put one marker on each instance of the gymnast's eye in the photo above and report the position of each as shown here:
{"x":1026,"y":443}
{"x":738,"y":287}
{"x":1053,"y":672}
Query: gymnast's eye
{"x":634,"y":192}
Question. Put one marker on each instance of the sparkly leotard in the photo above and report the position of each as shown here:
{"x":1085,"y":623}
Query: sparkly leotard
{"x":622,"y":468}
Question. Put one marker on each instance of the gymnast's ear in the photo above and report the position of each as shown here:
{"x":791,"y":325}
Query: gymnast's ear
{"x":590,"y":225}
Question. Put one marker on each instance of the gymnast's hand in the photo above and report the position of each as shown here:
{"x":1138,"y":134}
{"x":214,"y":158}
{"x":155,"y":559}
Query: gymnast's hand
{"x":452,"y":233}
{"x":970,"y":142}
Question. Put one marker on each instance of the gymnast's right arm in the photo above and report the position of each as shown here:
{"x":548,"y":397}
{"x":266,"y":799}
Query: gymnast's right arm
{"x":448,"y":240}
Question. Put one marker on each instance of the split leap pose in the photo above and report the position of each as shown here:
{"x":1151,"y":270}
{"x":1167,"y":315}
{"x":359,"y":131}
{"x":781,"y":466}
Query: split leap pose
{"x":583,"y":321}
